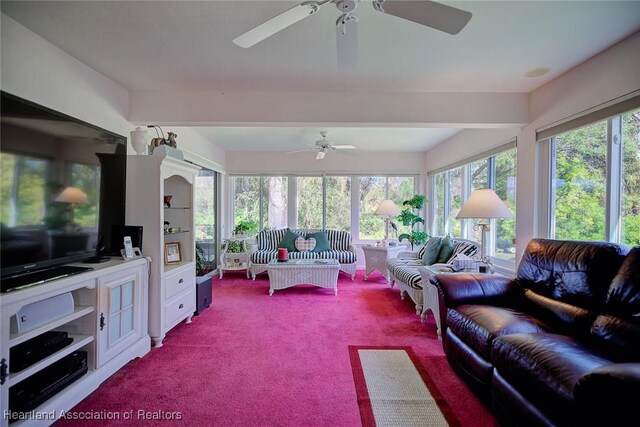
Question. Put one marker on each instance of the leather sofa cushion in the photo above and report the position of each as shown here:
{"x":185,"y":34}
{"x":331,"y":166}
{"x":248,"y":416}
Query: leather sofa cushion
{"x":544,"y":367}
{"x":617,"y":330}
{"x":560,"y":316}
{"x":479,"y":325}
{"x":576,"y":273}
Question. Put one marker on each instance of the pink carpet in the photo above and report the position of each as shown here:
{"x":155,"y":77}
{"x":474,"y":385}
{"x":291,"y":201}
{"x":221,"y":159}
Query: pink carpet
{"x":255,"y":360}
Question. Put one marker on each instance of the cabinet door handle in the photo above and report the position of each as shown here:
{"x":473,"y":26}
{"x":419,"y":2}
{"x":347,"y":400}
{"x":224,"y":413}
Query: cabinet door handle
{"x":181,"y":306}
{"x":181,"y":281}
{"x":3,"y":370}
{"x":102,"y":321}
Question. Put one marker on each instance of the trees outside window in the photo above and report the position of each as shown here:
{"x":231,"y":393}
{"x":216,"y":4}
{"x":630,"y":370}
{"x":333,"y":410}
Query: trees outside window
{"x":246,"y":200}
{"x":338,"y":204}
{"x":274,"y":202}
{"x":630,"y":212}
{"x":595,"y":191}
{"x":309,"y":201}
{"x":579,"y":183}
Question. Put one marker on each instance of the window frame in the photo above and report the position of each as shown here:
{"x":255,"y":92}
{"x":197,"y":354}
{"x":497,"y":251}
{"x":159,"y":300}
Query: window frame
{"x":466,"y":227}
{"x":292,"y":196}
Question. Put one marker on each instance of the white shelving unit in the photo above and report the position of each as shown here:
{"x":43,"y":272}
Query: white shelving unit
{"x":172,"y":297}
{"x":109,"y":344}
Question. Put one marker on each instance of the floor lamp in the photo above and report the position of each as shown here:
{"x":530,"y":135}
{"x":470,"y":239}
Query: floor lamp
{"x":387,"y":208}
{"x":484,"y":205}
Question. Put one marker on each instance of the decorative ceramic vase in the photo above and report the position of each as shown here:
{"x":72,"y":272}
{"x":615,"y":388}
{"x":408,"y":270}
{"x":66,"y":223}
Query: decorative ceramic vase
{"x":138,"y":138}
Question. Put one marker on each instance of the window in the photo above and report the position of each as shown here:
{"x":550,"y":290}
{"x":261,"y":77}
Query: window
{"x":595,"y":186}
{"x":452,"y":187}
{"x":206,"y":218}
{"x":22,"y":189}
{"x":505,"y":187}
{"x":310,"y":202}
{"x":630,"y":212}
{"x":274,"y":202}
{"x":372,"y":192}
{"x":246,"y":204}
{"x":320,"y":202}
{"x":454,"y":226}
{"x":439,"y":202}
{"x":338,"y":206}
{"x":579,"y":183}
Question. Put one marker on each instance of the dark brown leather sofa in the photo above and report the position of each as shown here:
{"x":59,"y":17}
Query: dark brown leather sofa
{"x":557,"y":345}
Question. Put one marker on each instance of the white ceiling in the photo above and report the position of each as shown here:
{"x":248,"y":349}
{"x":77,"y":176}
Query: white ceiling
{"x":297,"y":138}
{"x":155,"y":45}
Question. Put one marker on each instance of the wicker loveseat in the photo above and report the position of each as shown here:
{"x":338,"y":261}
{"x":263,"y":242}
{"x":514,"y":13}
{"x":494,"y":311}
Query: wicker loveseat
{"x":404,"y":272}
{"x":266,"y":249}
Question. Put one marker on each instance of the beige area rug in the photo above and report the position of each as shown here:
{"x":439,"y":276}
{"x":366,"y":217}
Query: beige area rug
{"x":395,"y":390}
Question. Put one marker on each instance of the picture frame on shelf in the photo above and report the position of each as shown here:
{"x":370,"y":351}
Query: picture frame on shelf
{"x":172,"y":253}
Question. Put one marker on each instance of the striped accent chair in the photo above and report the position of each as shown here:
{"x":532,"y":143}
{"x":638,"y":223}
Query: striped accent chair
{"x":266,"y":249}
{"x":403,"y":270}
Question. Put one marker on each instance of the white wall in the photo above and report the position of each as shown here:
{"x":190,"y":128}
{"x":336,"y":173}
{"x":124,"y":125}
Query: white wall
{"x":603,"y":78}
{"x":34,"y":69}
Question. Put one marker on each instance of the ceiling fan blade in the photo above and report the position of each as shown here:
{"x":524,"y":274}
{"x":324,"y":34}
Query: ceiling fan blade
{"x":300,"y":151}
{"x":347,"y":41}
{"x":320,"y":155}
{"x":432,"y":14}
{"x":276,"y":24}
{"x":344,"y":147}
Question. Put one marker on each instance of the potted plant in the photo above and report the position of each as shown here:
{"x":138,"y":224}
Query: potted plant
{"x":410,"y":218}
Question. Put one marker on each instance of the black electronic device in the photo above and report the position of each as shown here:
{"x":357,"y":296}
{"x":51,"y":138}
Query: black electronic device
{"x":67,"y":186}
{"x":119,"y":232}
{"x":38,"y":277}
{"x":30,"y":352}
{"x":31,"y":392}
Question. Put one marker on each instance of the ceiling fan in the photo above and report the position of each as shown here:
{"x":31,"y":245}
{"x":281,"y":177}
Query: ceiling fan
{"x":323,"y":146}
{"x":429,"y":13}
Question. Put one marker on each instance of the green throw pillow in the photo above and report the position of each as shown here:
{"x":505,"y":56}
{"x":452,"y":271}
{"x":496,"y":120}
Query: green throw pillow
{"x":432,"y":250}
{"x":289,"y":241}
{"x":322,"y":241}
{"x":446,"y":250}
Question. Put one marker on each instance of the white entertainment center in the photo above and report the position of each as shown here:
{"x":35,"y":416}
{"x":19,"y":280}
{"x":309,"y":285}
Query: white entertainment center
{"x":108,"y":321}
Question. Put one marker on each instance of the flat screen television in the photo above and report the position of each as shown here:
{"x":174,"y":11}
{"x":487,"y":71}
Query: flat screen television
{"x":62,"y":187}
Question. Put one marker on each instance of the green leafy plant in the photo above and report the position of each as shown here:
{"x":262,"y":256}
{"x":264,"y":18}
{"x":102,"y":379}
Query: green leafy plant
{"x":244,"y":226}
{"x":202,"y":267}
{"x":410,"y":218}
{"x":233,"y":246}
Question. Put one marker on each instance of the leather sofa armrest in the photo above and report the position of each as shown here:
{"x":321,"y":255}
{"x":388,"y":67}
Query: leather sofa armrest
{"x":611,"y":387}
{"x":473,"y":288}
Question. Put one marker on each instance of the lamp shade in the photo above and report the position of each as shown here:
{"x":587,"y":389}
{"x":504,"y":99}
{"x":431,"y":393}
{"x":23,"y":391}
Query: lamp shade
{"x":72,"y":195}
{"x":484,"y":203}
{"x":387,"y":207}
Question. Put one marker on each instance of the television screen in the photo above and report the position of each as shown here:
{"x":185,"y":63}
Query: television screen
{"x":62,"y":186}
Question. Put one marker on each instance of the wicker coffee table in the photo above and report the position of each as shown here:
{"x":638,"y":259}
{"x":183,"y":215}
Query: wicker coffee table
{"x":322,"y":273}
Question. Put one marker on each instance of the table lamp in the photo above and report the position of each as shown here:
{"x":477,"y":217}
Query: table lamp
{"x":484,"y":204}
{"x":387,"y":208}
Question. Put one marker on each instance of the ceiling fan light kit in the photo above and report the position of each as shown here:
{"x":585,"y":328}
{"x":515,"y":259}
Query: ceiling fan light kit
{"x":428,"y":13}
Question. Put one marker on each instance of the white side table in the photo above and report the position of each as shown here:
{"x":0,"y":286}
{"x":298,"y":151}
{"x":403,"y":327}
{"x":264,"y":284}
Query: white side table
{"x":375,"y":258}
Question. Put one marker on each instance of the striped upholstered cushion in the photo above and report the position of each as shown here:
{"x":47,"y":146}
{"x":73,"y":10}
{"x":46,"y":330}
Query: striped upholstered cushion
{"x":268,"y":240}
{"x":422,"y":250}
{"x":343,"y":257}
{"x":338,"y":239}
{"x":409,"y":274}
{"x":303,"y":255}
{"x":461,"y":247}
{"x":263,"y":257}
